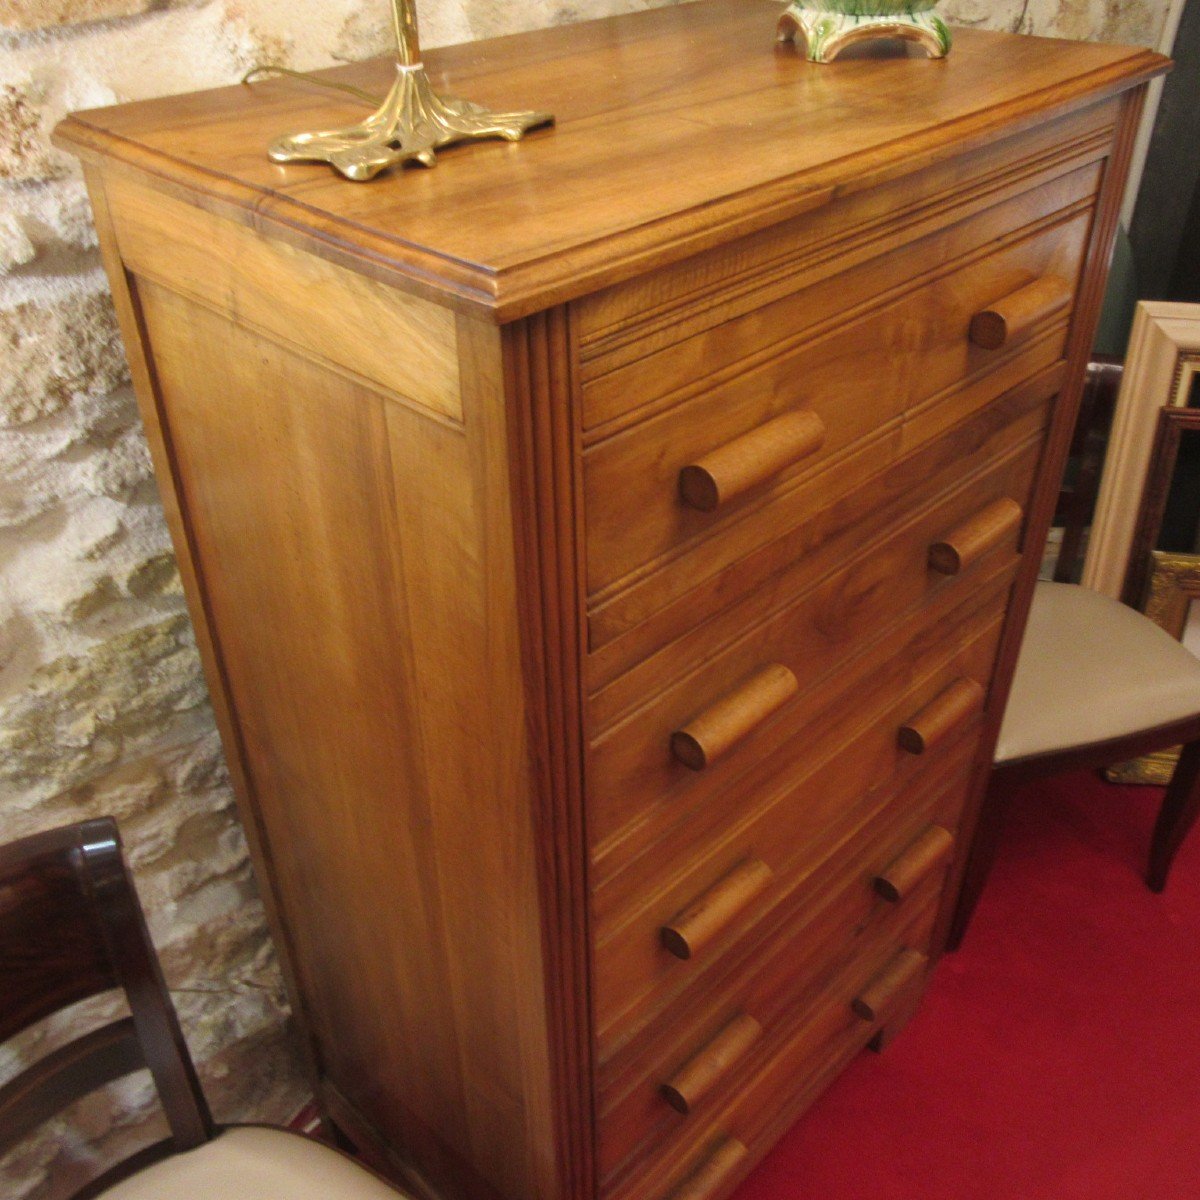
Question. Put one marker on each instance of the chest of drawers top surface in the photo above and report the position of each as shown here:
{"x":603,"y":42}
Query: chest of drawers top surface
{"x":677,"y":129}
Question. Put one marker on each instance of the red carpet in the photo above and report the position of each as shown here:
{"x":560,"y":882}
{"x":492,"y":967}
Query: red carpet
{"x":1057,"y":1054}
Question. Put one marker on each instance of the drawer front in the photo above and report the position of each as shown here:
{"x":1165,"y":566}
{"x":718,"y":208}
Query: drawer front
{"x":711,"y":613}
{"x":666,"y":923}
{"x":742,"y":701}
{"x":819,"y":265}
{"x":888,"y":969}
{"x":726,"y":468}
{"x":700,"y":1051}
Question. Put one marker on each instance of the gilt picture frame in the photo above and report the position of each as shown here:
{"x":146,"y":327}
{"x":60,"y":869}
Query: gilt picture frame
{"x":1173,"y":424}
{"x":1172,"y":604}
{"x":1162,"y":368}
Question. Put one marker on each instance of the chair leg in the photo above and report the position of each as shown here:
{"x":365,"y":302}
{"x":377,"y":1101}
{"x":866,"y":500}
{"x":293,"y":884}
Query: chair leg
{"x":1178,"y":814}
{"x":980,"y":857}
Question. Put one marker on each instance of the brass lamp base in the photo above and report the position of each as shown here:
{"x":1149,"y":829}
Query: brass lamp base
{"x":410,"y":125}
{"x":826,"y":34}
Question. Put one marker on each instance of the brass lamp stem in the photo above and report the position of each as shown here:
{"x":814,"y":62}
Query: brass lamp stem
{"x":404,"y":20}
{"x":411,"y":124}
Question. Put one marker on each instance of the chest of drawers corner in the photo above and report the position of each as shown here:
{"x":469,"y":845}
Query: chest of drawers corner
{"x":609,"y":554}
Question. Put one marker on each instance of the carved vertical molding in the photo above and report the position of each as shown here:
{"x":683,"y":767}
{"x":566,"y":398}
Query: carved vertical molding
{"x":540,"y":384}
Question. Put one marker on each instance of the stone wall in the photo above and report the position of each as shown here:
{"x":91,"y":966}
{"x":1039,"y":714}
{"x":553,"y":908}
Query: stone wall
{"x":102,"y":704}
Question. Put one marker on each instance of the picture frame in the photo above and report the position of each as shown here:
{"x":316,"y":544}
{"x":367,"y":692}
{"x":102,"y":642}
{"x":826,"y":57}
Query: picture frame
{"x":1161,"y":369}
{"x":1173,"y":423}
{"x":1173,"y":591}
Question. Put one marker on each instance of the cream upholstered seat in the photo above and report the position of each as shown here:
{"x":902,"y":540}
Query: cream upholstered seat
{"x":256,"y":1163}
{"x":1096,"y":683}
{"x":1092,"y":669}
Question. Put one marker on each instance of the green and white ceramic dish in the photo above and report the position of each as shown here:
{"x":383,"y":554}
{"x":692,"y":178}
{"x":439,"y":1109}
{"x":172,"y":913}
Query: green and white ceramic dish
{"x":870,"y":8}
{"x":829,"y":26}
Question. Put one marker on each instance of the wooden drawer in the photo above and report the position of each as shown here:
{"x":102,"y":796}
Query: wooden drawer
{"x":769,"y":683}
{"x":667,"y":921}
{"x":811,"y":268}
{"x":707,"y":1046}
{"x":769,"y":445}
{"x":713,"y":612}
{"x":784,"y":1078}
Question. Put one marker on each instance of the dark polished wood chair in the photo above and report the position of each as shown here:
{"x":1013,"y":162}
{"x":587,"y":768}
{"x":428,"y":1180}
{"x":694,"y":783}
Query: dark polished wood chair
{"x":1096,"y":684}
{"x":71,"y":927}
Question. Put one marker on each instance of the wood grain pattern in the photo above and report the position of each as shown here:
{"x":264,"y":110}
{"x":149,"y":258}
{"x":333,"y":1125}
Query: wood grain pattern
{"x":777,"y":979}
{"x":562,"y":215}
{"x":715,"y":1170}
{"x":402,"y":345}
{"x":452,"y":601}
{"x":1016,"y":314}
{"x":831,"y":633}
{"x":622,"y":323}
{"x":888,"y":988}
{"x":711,"y":734}
{"x":750,"y":460}
{"x":1041,"y":510}
{"x":693,"y":1081}
{"x":71,"y":928}
{"x":707,"y":916}
{"x":721,"y":313}
{"x":949,"y":709}
{"x":924,"y":855}
{"x":821,"y":1040}
{"x":647,"y":649}
{"x":791,"y":827}
{"x":965,"y":544}
{"x":640,"y":538}
{"x":302,"y":501}
{"x":919,"y":858}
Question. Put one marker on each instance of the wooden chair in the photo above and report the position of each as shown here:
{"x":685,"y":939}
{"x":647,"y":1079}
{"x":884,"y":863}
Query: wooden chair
{"x":70,"y":928}
{"x":1096,"y":683}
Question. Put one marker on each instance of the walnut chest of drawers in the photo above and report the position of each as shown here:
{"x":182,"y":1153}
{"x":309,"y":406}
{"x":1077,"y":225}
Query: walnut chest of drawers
{"x":609,"y":552}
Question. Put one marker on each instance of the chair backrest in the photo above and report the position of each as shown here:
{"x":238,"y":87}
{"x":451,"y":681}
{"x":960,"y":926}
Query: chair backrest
{"x":71,"y":927}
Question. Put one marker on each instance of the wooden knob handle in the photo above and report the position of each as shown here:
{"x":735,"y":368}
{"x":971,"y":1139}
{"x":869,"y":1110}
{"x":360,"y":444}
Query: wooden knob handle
{"x":750,"y":460}
{"x":707,"y":1178}
{"x":889,"y":985}
{"x":965,"y":544}
{"x":1013,"y":317}
{"x":715,"y":731}
{"x":704,"y":918}
{"x":928,"y":852}
{"x":697,"y":1077}
{"x":949,"y":710}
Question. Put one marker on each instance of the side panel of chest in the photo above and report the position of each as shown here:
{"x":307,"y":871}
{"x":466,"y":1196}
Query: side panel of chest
{"x":344,"y":508}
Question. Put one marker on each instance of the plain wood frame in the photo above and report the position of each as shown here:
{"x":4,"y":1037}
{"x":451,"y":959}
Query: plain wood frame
{"x":1163,"y":359}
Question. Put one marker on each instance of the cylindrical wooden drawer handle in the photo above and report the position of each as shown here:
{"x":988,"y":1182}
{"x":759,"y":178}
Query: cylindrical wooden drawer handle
{"x":704,"y":1181}
{"x":928,"y":852}
{"x":696,"y":1078}
{"x":889,"y":985}
{"x":965,"y":544}
{"x":949,"y":710}
{"x":750,"y":460}
{"x":713,"y":732}
{"x":706,"y":917}
{"x":1016,"y":314}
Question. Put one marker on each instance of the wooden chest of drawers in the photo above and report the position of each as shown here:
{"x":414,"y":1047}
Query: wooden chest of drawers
{"x":609,"y":554}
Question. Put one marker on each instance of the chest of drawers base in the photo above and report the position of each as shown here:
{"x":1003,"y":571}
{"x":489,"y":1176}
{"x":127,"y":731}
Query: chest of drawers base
{"x":608,"y":595}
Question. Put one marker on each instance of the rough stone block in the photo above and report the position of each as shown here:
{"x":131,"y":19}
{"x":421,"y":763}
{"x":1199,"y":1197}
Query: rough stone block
{"x":23,"y":15}
{"x":15,"y":247}
{"x":24,"y":151}
{"x":55,"y":349}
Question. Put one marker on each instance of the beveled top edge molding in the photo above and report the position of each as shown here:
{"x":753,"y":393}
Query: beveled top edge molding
{"x":531,"y":282}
